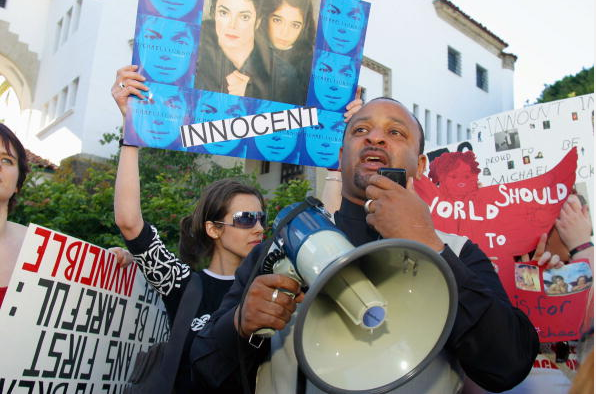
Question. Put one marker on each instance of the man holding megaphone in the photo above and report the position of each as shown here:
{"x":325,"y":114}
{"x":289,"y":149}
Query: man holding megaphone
{"x":494,"y":343}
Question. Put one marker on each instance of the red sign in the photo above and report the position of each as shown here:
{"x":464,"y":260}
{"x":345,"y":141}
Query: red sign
{"x":504,"y":220}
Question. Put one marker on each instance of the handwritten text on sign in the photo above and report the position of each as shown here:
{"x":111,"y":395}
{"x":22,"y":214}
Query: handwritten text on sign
{"x":72,"y":320}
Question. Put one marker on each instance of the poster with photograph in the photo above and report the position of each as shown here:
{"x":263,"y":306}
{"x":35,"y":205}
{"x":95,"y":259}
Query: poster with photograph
{"x":259,"y":79}
{"x":505,"y":186}
{"x":524,"y":143}
{"x":554,"y":300}
{"x":73,"y":321}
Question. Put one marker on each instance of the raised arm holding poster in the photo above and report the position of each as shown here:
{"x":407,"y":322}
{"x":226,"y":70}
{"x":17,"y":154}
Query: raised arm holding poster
{"x":259,"y":79}
{"x":72,"y":320}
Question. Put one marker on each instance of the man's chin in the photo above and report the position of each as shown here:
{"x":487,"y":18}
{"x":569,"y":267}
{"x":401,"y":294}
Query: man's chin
{"x":361,"y":180}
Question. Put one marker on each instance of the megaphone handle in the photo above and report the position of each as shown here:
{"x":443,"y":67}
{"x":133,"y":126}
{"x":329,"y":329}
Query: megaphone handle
{"x":267,"y":332}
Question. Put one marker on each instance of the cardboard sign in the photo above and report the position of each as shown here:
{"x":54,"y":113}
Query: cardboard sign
{"x":213,"y":60}
{"x":72,"y":320}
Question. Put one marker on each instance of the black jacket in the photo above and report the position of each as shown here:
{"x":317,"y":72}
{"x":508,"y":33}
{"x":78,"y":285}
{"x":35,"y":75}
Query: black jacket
{"x":495,"y":343}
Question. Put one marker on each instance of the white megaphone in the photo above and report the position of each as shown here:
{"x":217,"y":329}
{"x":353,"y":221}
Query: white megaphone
{"x":373,"y":316}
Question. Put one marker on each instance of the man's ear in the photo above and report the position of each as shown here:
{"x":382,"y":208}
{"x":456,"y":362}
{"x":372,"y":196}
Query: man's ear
{"x":421,"y":166}
{"x":212,"y":230}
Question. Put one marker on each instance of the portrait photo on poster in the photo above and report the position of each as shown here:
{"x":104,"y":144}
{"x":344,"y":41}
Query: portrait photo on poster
{"x":155,"y":121}
{"x":571,"y":278}
{"x":165,"y":50}
{"x":232,"y":59}
{"x":183,"y":10}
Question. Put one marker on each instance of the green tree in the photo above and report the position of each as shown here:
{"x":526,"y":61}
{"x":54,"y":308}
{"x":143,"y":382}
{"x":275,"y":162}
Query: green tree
{"x":284,"y":195}
{"x":78,"y":199}
{"x":581,"y":83}
{"x":82,"y":205}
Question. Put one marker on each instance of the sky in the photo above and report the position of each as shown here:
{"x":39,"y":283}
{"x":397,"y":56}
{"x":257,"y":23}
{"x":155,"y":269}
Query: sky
{"x":551,"y":38}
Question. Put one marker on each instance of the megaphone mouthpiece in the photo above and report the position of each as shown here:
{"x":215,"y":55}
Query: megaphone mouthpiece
{"x":357,"y":297}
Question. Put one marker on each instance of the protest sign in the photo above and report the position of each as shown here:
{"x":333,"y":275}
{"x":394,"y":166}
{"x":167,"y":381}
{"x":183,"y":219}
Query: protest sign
{"x":554,"y":300}
{"x":234,"y":60}
{"x":72,"y":320}
{"x":524,"y":143}
{"x":509,"y":189}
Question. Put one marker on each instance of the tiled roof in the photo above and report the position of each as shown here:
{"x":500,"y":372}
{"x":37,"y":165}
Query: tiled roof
{"x":34,"y":159}
{"x":481,"y":26}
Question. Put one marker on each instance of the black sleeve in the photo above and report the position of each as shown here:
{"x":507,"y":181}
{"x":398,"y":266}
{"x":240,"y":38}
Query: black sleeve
{"x":495,"y":343}
{"x":217,"y":349}
{"x":162,"y":270}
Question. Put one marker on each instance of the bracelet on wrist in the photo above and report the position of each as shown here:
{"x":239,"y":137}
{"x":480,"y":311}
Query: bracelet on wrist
{"x":121,"y":143}
{"x":579,"y":248}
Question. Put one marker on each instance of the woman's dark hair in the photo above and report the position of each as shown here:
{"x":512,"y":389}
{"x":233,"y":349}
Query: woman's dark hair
{"x":8,"y":139}
{"x":305,"y":41}
{"x":257,"y":3}
{"x":557,"y":277}
{"x":195,"y":245}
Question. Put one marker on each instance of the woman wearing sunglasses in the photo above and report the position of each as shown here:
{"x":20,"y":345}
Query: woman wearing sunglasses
{"x":227,"y":222}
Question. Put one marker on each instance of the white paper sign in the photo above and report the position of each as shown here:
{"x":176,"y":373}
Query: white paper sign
{"x":524,"y":143}
{"x":72,"y":321}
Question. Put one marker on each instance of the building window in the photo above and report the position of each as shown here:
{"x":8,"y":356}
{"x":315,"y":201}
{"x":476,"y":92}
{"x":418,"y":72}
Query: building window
{"x":468,"y":134}
{"x":439,"y":129}
{"x":2,"y":3}
{"x":62,"y":101}
{"x":265,"y":167}
{"x":52,"y":109}
{"x":383,"y":70}
{"x":427,"y":126}
{"x":415,"y":110}
{"x":460,"y":137}
{"x":72,"y":93}
{"x":454,"y":61}
{"x":481,"y":78}
{"x":449,"y":132}
{"x":77,"y":15}
{"x":58,"y":35}
{"x":44,"y":116}
{"x":291,"y":172}
{"x":66,"y":27}
{"x":363,"y":92}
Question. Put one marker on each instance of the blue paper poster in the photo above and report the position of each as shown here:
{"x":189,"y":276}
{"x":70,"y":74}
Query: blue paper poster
{"x":259,"y":79}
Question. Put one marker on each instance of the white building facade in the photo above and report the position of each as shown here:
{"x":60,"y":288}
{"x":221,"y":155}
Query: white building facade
{"x":60,"y":59}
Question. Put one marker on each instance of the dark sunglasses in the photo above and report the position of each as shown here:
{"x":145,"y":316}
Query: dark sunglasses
{"x":246,"y":220}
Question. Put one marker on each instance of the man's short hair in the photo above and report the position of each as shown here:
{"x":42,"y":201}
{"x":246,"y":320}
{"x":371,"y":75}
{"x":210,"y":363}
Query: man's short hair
{"x":421,"y":140}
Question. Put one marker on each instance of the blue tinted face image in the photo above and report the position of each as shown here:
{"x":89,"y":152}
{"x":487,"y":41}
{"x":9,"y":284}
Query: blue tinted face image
{"x":278,"y":145}
{"x":212,"y":107}
{"x":175,"y":9}
{"x":323,"y":141}
{"x":165,"y":48}
{"x":157,"y":119}
{"x":334,"y":77}
{"x":343,"y":22}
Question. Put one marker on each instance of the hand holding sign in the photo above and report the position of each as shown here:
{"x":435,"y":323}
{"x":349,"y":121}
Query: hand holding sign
{"x":128,"y":82}
{"x":574,"y":224}
{"x":542,"y":256}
